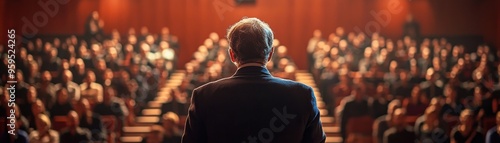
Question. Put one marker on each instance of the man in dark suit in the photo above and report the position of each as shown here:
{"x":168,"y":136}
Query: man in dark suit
{"x":252,"y":105}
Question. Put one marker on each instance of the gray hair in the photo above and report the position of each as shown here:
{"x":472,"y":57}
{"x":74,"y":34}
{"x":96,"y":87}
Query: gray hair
{"x":251,"y":40}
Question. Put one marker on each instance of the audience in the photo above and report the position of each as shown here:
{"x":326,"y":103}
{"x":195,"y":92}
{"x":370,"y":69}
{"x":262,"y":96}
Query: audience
{"x":493,"y":134}
{"x":430,"y":76}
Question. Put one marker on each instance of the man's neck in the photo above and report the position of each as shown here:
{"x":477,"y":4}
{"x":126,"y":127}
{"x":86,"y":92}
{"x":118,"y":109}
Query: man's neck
{"x":250,"y":64}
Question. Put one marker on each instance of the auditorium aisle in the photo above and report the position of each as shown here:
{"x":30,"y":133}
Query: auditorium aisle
{"x":331,"y":129}
{"x":151,"y":115}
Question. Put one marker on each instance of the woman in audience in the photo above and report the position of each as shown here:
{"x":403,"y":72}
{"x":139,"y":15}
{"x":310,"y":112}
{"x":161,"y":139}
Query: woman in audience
{"x":416,"y":104}
{"x":466,"y":132}
{"x":43,"y":133}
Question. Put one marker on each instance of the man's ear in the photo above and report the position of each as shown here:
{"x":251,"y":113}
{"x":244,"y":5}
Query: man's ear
{"x":270,"y":55}
{"x":231,"y":55}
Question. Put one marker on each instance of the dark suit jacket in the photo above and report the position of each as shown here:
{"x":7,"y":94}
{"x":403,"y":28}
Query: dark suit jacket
{"x":253,"y":106}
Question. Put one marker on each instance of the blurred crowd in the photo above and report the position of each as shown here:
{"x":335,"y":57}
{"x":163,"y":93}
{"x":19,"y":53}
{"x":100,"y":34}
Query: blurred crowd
{"x":424,"y":90}
{"x":86,"y":88}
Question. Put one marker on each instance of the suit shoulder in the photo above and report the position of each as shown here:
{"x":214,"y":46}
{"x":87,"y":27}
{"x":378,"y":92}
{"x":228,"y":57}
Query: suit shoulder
{"x":210,"y":84}
{"x":292,"y":83}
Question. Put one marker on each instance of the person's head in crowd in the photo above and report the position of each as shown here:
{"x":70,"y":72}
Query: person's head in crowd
{"x":62,"y":96}
{"x":389,"y":44}
{"x":65,"y":64}
{"x":96,"y":50}
{"x":399,"y":117}
{"x":38,"y":107}
{"x":426,"y":51}
{"x":145,"y":48}
{"x":32,"y":94}
{"x":164,"y":45}
{"x":67,"y":76}
{"x":467,"y":118}
{"x":169,"y":122}
{"x":436,"y":102}
{"x":19,"y":75}
{"x":53,"y":53}
{"x":73,"y":121}
{"x":375,"y":45}
{"x":250,"y":41}
{"x":150,"y":39}
{"x":108,"y":75}
{"x":223,"y":43}
{"x":412,"y":51}
{"x":282,"y":51}
{"x":393,"y":66}
{"x":43,"y":124}
{"x":165,"y":31}
{"x":450,"y":93}
{"x":23,"y":53}
{"x":415,"y":92}
{"x":144,"y":31}
{"x":82,"y":107}
{"x":431,"y":115}
{"x":112,"y":54}
{"x":46,"y":77}
{"x":209,"y":44}
{"x":101,"y":65}
{"x":156,"y":134}
{"x":132,"y":39}
{"x":368,"y":53}
{"x":430,"y":75}
{"x":47,"y":47}
{"x":339,"y":31}
{"x":317,"y":34}
{"x":343,"y":45}
{"x":393,"y":105}
{"x":358,"y":92}
{"x":214,"y":37}
{"x":109,"y":94}
{"x":90,"y":77}
{"x":478,"y":96}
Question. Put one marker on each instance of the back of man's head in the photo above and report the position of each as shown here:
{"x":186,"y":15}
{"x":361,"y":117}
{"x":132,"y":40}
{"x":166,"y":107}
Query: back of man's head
{"x":250,"y":40}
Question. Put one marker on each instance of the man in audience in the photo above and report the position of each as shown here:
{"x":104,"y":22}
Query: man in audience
{"x":355,"y":105}
{"x":383,"y":123}
{"x":111,"y":106}
{"x":46,"y":90}
{"x":74,"y":133}
{"x":71,"y":87}
{"x":19,"y":135}
{"x":170,"y":125}
{"x":493,"y":135}
{"x":90,"y":89}
{"x":399,"y":132}
{"x":91,"y":121}
{"x":63,"y":105}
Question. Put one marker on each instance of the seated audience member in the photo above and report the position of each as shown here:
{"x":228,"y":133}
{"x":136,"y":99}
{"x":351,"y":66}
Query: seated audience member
{"x":36,"y":108}
{"x":493,"y":135}
{"x":415,"y":105}
{"x":432,"y":129}
{"x":380,"y":101}
{"x":465,"y":131}
{"x":399,"y":132}
{"x":452,"y":107}
{"x":63,"y":105}
{"x":46,"y":90}
{"x":90,"y":89}
{"x":90,"y":120}
{"x":170,"y":124}
{"x":436,"y":103}
{"x":73,"y":89}
{"x":30,"y":101}
{"x":155,"y":135}
{"x":20,"y":135}
{"x":355,"y":106}
{"x":111,"y":106}
{"x":432,"y":87}
{"x":74,"y":133}
{"x":178,"y":101}
{"x":382,"y":123}
{"x":43,"y":133}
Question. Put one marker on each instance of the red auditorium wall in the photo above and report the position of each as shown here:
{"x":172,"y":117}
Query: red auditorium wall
{"x":292,"y":20}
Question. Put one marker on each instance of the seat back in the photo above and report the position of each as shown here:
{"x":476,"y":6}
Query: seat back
{"x":360,"y":125}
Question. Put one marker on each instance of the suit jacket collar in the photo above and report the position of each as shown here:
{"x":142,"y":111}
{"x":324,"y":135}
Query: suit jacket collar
{"x":252,"y":71}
